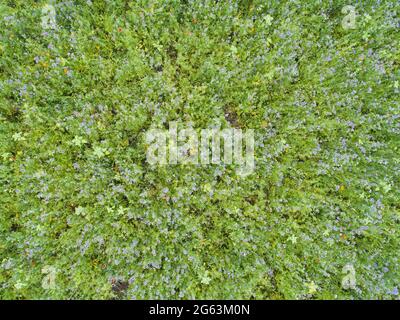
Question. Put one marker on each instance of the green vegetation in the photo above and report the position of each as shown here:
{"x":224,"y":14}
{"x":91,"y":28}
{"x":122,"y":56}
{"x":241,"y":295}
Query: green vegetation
{"x":84,"y":216}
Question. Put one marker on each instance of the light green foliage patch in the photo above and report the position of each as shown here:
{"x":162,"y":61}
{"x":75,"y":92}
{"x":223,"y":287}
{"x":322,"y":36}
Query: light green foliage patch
{"x":83,"y":215}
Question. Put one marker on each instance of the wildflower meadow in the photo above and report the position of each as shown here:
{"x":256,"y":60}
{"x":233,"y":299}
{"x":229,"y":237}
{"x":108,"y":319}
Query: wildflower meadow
{"x":308,"y":90}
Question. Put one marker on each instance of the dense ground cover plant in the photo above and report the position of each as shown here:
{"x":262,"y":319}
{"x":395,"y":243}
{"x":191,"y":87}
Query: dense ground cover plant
{"x":83,"y":215}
